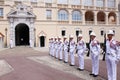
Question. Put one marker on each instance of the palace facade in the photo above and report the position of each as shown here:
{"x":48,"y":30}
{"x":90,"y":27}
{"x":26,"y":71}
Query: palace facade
{"x":23,"y":21}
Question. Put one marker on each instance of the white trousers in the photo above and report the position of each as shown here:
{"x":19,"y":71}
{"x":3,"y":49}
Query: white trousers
{"x":60,"y":53}
{"x":95,"y":64}
{"x":66,"y":55}
{"x":72,"y":57}
{"x":111,"y":67}
{"x":53,"y":52}
{"x":57,"y":53}
{"x":81,"y":59}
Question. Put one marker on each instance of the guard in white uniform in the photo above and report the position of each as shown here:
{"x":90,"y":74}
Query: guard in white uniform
{"x":81,"y":47}
{"x":94,"y":51}
{"x":60,"y":48}
{"x":11,"y":43}
{"x":72,"y":50}
{"x":65,"y":46}
{"x":112,"y":56}
{"x":55,"y":47}
{"x":49,"y":46}
{"x":52,"y":47}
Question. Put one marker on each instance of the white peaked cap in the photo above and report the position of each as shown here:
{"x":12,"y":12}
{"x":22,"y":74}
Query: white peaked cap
{"x":59,"y":37}
{"x":110,"y":32}
{"x":80,"y":35}
{"x":55,"y":37}
{"x":71,"y":36}
{"x":65,"y":37}
{"x":92,"y":34}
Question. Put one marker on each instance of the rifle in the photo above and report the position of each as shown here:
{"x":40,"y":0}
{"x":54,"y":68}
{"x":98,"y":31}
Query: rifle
{"x":88,"y":48}
{"x":104,"y":48}
{"x":76,"y":45}
{"x":69,"y":45}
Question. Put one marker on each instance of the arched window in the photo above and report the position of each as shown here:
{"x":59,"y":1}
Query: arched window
{"x":100,"y":3}
{"x":88,"y":2}
{"x":76,"y":16}
{"x":111,"y":3}
{"x":62,"y":15}
{"x":75,"y":2}
{"x":62,"y":1}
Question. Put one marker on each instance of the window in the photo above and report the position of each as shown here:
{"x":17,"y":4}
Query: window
{"x":75,"y":2}
{"x":76,"y":16}
{"x":99,"y":3}
{"x":77,"y":32}
{"x":48,"y":14}
{"x":63,"y":32}
{"x":102,"y":33}
{"x":62,"y":15}
{"x":111,"y":3}
{"x":88,"y":2}
{"x":34,"y":1}
{"x":90,"y":32}
{"x":48,"y":1}
{"x":62,"y":1}
{"x":1,"y":11}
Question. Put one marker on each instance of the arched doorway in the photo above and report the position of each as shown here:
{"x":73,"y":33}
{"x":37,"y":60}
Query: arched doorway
{"x":21,"y":34}
{"x":42,"y":41}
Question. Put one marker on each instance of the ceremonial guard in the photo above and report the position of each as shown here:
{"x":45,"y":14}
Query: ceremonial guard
{"x":94,"y":51}
{"x":65,"y":46}
{"x":11,"y":43}
{"x":60,"y":48}
{"x":81,"y":47}
{"x":112,"y":55}
{"x":49,"y":46}
{"x":55,"y":46}
{"x":72,"y":50}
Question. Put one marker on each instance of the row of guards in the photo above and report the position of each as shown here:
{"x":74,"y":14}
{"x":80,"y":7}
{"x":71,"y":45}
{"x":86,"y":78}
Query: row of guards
{"x":110,"y":50}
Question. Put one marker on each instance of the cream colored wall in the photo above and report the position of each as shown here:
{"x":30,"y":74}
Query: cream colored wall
{"x":52,"y":28}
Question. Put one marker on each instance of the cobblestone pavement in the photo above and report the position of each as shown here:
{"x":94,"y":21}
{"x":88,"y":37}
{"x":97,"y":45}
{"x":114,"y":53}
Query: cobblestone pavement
{"x":35,"y":64}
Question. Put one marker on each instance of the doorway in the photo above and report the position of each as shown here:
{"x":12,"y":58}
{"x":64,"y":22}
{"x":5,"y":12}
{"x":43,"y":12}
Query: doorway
{"x":42,"y":41}
{"x":21,"y":34}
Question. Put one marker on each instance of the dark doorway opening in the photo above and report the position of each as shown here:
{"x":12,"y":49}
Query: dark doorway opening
{"x":42,"y":41}
{"x":21,"y":34}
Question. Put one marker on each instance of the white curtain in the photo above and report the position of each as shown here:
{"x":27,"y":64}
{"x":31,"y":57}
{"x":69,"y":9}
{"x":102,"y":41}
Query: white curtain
{"x":99,"y":3}
{"x":62,"y":15}
{"x":76,"y":16}
{"x":111,"y":3}
{"x":62,"y":1}
{"x":88,"y":2}
{"x":75,"y":2}
{"x":48,"y":1}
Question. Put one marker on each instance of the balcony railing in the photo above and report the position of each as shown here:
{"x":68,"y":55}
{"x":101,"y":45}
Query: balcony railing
{"x":100,"y":22}
{"x":89,"y":7}
{"x":76,"y":6}
{"x":48,"y":4}
{"x":89,"y":22}
{"x":100,"y":8}
{"x":62,"y":5}
{"x":76,"y":22}
{"x":112,"y":9}
{"x":63,"y":21}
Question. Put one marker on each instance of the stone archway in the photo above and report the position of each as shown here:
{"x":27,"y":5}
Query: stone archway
{"x":23,"y":15}
{"x":21,"y":34}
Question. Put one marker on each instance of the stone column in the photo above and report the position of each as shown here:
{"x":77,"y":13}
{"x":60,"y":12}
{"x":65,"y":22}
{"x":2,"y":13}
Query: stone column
{"x":83,"y":17}
{"x":117,"y":18}
{"x":106,"y":18}
{"x":95,"y":17}
{"x":105,"y":4}
{"x":31,"y":32}
{"x":12,"y":31}
{"x":70,"y":16}
{"x":94,"y":3}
